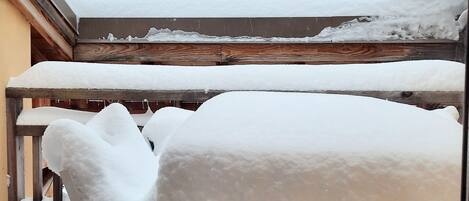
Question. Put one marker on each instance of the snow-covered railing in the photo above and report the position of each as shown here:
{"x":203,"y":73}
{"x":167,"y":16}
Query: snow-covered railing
{"x":411,"y":82}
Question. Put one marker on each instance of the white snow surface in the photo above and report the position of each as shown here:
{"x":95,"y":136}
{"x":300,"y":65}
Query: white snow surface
{"x":45,"y":115}
{"x":163,"y":123}
{"x":105,"y":159}
{"x":263,"y":8}
{"x":256,"y":146}
{"x":426,"y":75}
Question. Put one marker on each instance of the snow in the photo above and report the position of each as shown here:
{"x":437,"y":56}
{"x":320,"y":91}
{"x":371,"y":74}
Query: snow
{"x":263,"y":8}
{"x":427,"y":75}
{"x":105,"y":159}
{"x":45,"y":115}
{"x":163,"y":123}
{"x":291,"y":146}
{"x":383,"y":28}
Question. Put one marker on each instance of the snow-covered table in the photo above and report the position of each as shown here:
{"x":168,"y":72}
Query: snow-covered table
{"x":412,"y":82}
{"x":261,"y":146}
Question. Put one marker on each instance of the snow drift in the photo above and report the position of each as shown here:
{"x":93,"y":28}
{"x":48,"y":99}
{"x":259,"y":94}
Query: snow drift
{"x":256,"y":146}
{"x":105,"y":159}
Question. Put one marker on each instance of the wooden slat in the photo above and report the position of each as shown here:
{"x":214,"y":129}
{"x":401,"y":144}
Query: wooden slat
{"x":37,"y":169}
{"x":94,"y":28}
{"x":58,"y":186}
{"x":57,"y":20}
{"x":415,"y":97}
{"x":15,"y":151}
{"x":148,"y":53}
{"x":264,"y":53}
{"x":67,"y":12}
{"x":36,"y":130}
{"x":47,"y":30}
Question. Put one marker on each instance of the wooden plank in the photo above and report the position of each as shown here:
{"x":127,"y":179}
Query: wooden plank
{"x":36,"y":130}
{"x":336,"y":52}
{"x":271,"y":53}
{"x":37,"y":169}
{"x":148,"y":53}
{"x":40,"y":22}
{"x":415,"y":97}
{"x":94,"y":28}
{"x":58,"y":187}
{"x":67,"y":12}
{"x":15,"y":151}
{"x":57,"y":20}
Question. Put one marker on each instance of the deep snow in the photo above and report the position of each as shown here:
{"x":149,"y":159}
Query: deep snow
{"x":105,"y":159}
{"x":287,"y":146}
{"x":429,"y":75}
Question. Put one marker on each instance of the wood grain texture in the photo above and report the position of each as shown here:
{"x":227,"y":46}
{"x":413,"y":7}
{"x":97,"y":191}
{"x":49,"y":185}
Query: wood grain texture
{"x":15,"y":151}
{"x":148,"y":53}
{"x":264,"y":53}
{"x":59,"y":21}
{"x":409,"y":97}
{"x":37,"y":169}
{"x":40,"y":22}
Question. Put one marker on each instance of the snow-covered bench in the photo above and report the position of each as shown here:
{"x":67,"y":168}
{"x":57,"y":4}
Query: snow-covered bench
{"x":412,"y":82}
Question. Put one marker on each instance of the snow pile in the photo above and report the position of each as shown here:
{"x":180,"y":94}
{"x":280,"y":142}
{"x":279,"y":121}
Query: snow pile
{"x":163,"y":123}
{"x":105,"y":159}
{"x":431,"y":75}
{"x":263,"y":8}
{"x":255,"y":146}
{"x":46,"y":115}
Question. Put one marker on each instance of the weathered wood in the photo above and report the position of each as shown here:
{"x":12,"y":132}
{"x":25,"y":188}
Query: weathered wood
{"x":36,"y":130}
{"x":37,"y":169}
{"x":39,"y":21}
{"x":94,"y":28}
{"x":409,"y":97}
{"x":57,"y":20}
{"x":58,"y":186}
{"x":264,"y":53}
{"x":148,"y":53}
{"x":15,"y":151}
{"x":67,"y":12}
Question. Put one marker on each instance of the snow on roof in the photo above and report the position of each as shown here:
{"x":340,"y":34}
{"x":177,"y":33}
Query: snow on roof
{"x":427,"y":75}
{"x":293,"y":146}
{"x":262,"y":8}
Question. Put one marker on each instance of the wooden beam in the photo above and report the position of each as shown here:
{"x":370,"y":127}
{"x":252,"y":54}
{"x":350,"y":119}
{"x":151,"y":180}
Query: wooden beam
{"x":409,"y":97}
{"x":57,"y":20}
{"x":37,"y":169}
{"x":264,"y":53}
{"x":40,"y":22}
{"x":15,"y":151}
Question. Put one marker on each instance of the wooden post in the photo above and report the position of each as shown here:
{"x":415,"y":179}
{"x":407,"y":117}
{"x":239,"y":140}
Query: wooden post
{"x":58,"y":196}
{"x":37,"y":169}
{"x":15,"y":150}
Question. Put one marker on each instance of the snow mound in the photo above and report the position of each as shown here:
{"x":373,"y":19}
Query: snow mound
{"x":163,"y":123}
{"x":426,"y":75}
{"x":105,"y":159}
{"x":256,"y":146}
{"x":46,"y":115}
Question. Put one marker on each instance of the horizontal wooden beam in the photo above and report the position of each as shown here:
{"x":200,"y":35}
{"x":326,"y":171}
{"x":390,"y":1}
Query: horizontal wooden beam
{"x":36,"y":130}
{"x":94,"y":28}
{"x":263,"y":53}
{"x":409,"y":97}
{"x":46,"y":28}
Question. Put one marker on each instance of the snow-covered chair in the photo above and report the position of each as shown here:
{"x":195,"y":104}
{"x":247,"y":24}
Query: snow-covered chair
{"x":104,"y":159}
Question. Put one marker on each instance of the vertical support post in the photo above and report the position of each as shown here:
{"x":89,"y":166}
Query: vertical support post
{"x":37,"y":169}
{"x":58,"y":196}
{"x":15,"y":150}
{"x":465,"y":122}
